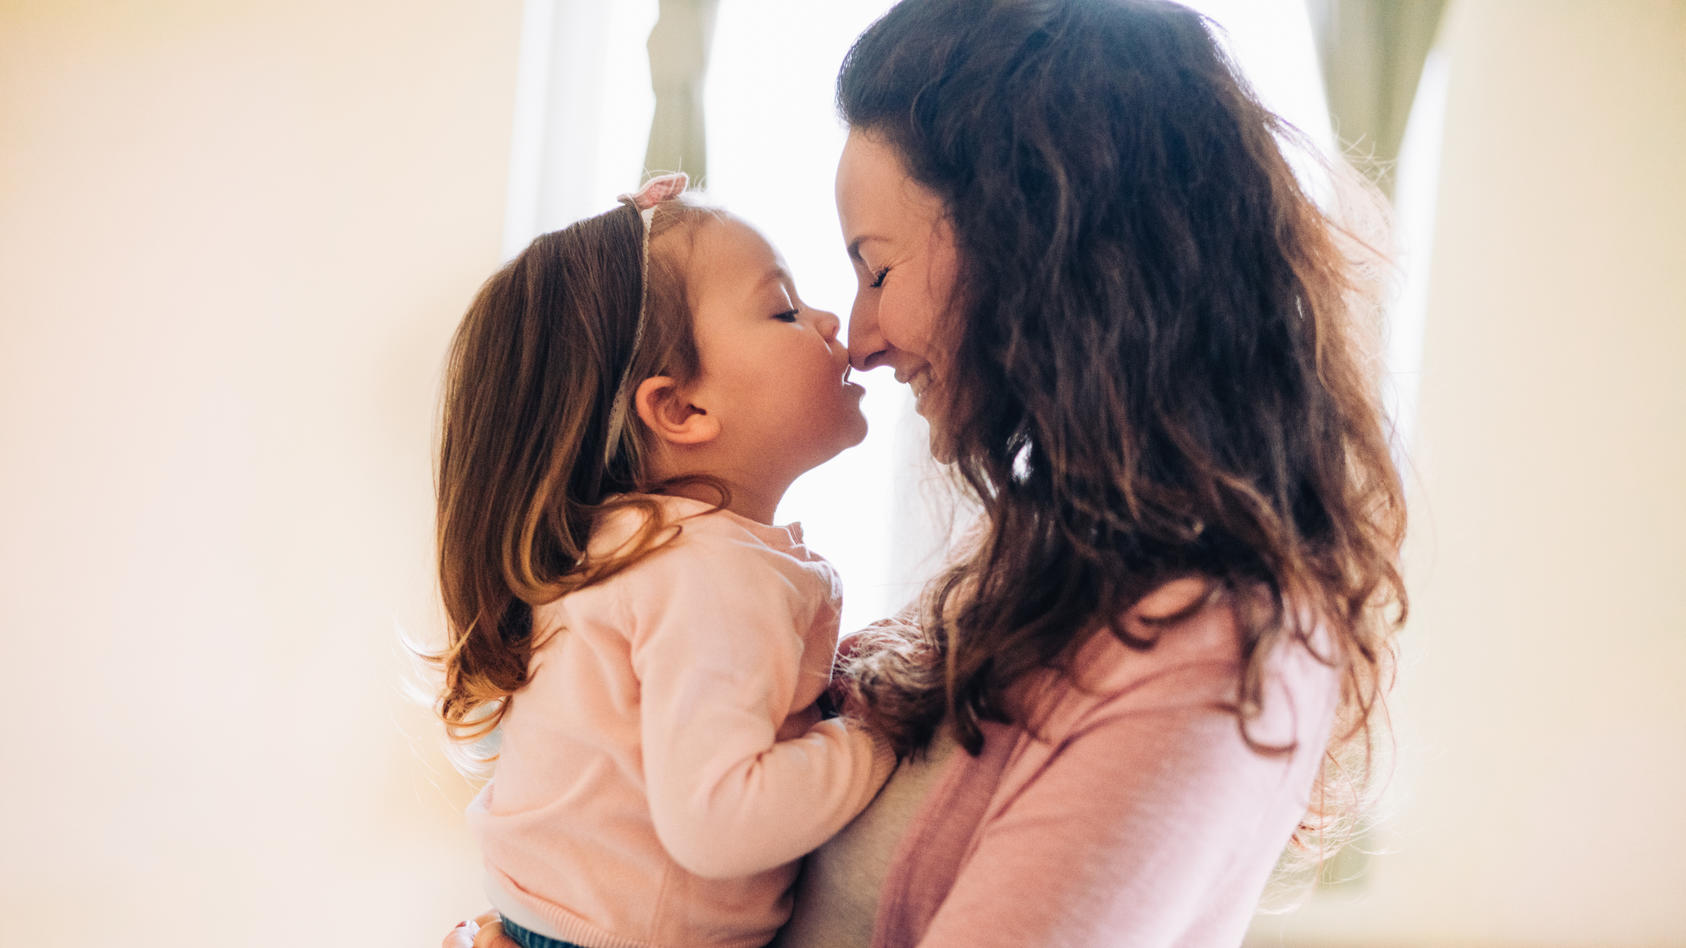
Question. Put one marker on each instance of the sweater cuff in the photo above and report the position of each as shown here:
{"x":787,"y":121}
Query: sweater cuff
{"x":883,"y":756}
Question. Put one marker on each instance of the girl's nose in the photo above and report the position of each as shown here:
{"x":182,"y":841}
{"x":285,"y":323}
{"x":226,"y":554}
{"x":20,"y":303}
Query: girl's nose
{"x":828,"y":324}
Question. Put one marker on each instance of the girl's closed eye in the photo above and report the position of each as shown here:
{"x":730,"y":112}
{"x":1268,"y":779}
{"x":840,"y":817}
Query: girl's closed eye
{"x":788,"y":316}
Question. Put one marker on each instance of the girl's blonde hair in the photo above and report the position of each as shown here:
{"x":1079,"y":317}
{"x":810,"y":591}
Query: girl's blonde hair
{"x":531,"y":376}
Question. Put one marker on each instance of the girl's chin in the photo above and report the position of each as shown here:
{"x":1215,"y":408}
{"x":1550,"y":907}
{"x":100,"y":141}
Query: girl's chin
{"x":851,"y":429}
{"x":857,"y":427}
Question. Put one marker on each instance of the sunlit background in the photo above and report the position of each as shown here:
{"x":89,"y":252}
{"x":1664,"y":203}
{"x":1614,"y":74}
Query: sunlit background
{"x":773,"y":141}
{"x":237,"y":236}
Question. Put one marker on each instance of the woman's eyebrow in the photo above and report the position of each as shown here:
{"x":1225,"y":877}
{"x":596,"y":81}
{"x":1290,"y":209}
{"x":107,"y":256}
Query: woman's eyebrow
{"x":855,"y":246}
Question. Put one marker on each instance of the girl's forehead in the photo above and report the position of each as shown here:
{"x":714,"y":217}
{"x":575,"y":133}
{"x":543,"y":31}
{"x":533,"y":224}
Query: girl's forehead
{"x":729,"y":239}
{"x":734,"y":259}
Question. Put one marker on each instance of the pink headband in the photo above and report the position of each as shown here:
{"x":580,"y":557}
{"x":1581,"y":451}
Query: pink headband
{"x":661,"y":188}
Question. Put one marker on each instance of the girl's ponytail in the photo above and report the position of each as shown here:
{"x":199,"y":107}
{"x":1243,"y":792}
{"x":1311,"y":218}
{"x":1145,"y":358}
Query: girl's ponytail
{"x":530,"y":374}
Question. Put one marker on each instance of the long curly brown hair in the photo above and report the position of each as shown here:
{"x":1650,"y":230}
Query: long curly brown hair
{"x":532,"y":372}
{"x":1162,"y":352}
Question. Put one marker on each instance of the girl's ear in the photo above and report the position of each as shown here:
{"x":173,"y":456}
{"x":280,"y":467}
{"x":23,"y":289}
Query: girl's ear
{"x":665,"y":410}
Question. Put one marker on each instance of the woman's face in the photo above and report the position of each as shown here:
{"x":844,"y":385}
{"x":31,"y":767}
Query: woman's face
{"x":902,"y":248}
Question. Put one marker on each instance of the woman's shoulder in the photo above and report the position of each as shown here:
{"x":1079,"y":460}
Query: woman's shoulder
{"x":1181,"y":648}
{"x":1183,"y":628}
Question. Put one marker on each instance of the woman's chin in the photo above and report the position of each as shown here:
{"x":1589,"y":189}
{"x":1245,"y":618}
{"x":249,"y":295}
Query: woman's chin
{"x":942,"y":449}
{"x":941,"y":446}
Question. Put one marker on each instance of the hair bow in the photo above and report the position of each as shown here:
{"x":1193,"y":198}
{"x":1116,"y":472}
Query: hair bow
{"x":663,"y":187}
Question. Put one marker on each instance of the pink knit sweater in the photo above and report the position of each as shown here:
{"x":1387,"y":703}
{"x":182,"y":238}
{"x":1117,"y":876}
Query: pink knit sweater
{"x":664,"y":768}
{"x":1132,"y":813}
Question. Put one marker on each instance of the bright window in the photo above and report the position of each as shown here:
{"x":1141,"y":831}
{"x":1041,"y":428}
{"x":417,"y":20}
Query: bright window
{"x":773,"y":141}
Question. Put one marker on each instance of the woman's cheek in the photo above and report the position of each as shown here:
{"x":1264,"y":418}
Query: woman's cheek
{"x":905,"y":326}
{"x":890,"y":321}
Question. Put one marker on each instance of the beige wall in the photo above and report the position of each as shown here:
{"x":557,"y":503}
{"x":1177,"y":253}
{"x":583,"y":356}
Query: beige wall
{"x":235,"y":239}
{"x":1542,"y":712}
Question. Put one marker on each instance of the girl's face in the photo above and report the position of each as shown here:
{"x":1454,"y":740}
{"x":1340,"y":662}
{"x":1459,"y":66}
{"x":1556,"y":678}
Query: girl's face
{"x":902,"y":248}
{"x":772,"y":367}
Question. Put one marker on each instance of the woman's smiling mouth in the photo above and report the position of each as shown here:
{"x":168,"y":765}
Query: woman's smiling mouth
{"x":920,"y":382}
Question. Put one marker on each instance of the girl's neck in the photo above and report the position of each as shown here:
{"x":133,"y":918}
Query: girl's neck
{"x":752,"y":502}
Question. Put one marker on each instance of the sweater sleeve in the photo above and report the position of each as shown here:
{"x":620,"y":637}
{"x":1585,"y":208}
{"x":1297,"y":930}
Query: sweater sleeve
{"x":717,"y":652}
{"x":1132,"y":825}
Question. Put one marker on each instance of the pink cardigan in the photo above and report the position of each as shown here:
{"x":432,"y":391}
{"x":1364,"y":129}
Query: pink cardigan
{"x":1139,"y":818}
{"x":664,"y":768}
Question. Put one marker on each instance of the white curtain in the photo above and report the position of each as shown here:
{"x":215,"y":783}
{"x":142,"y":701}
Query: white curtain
{"x":582,"y":112}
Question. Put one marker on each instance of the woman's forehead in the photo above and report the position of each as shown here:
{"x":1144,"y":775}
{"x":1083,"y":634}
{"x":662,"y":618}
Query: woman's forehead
{"x":876,"y":196}
{"x":867,"y":169}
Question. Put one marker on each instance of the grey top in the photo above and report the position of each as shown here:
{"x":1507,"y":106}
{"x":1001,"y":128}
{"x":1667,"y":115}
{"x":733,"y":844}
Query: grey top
{"x":837,"y":893}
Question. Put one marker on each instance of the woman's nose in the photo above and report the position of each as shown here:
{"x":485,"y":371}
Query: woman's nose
{"x":867,"y":349}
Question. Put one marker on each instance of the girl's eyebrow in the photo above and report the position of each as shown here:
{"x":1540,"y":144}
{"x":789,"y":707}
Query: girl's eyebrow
{"x":776,"y":275}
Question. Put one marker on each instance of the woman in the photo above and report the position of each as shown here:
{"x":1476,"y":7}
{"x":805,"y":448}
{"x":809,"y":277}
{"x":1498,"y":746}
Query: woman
{"x":1136,"y":340}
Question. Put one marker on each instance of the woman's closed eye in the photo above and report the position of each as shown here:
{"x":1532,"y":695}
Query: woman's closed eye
{"x":878,"y":278}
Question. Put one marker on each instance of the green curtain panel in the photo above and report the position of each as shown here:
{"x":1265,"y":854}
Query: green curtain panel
{"x":1372,"y":54}
{"x":679,"y":45}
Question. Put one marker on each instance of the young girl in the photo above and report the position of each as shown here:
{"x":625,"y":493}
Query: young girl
{"x":626,"y":402}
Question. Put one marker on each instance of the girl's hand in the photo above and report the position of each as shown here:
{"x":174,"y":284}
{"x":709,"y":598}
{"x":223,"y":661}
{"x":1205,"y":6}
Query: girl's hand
{"x":485,"y":931}
{"x":885,"y":633}
{"x":899,"y":635}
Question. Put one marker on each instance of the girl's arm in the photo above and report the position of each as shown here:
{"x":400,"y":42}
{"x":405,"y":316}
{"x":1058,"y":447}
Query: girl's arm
{"x":718,"y":654}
